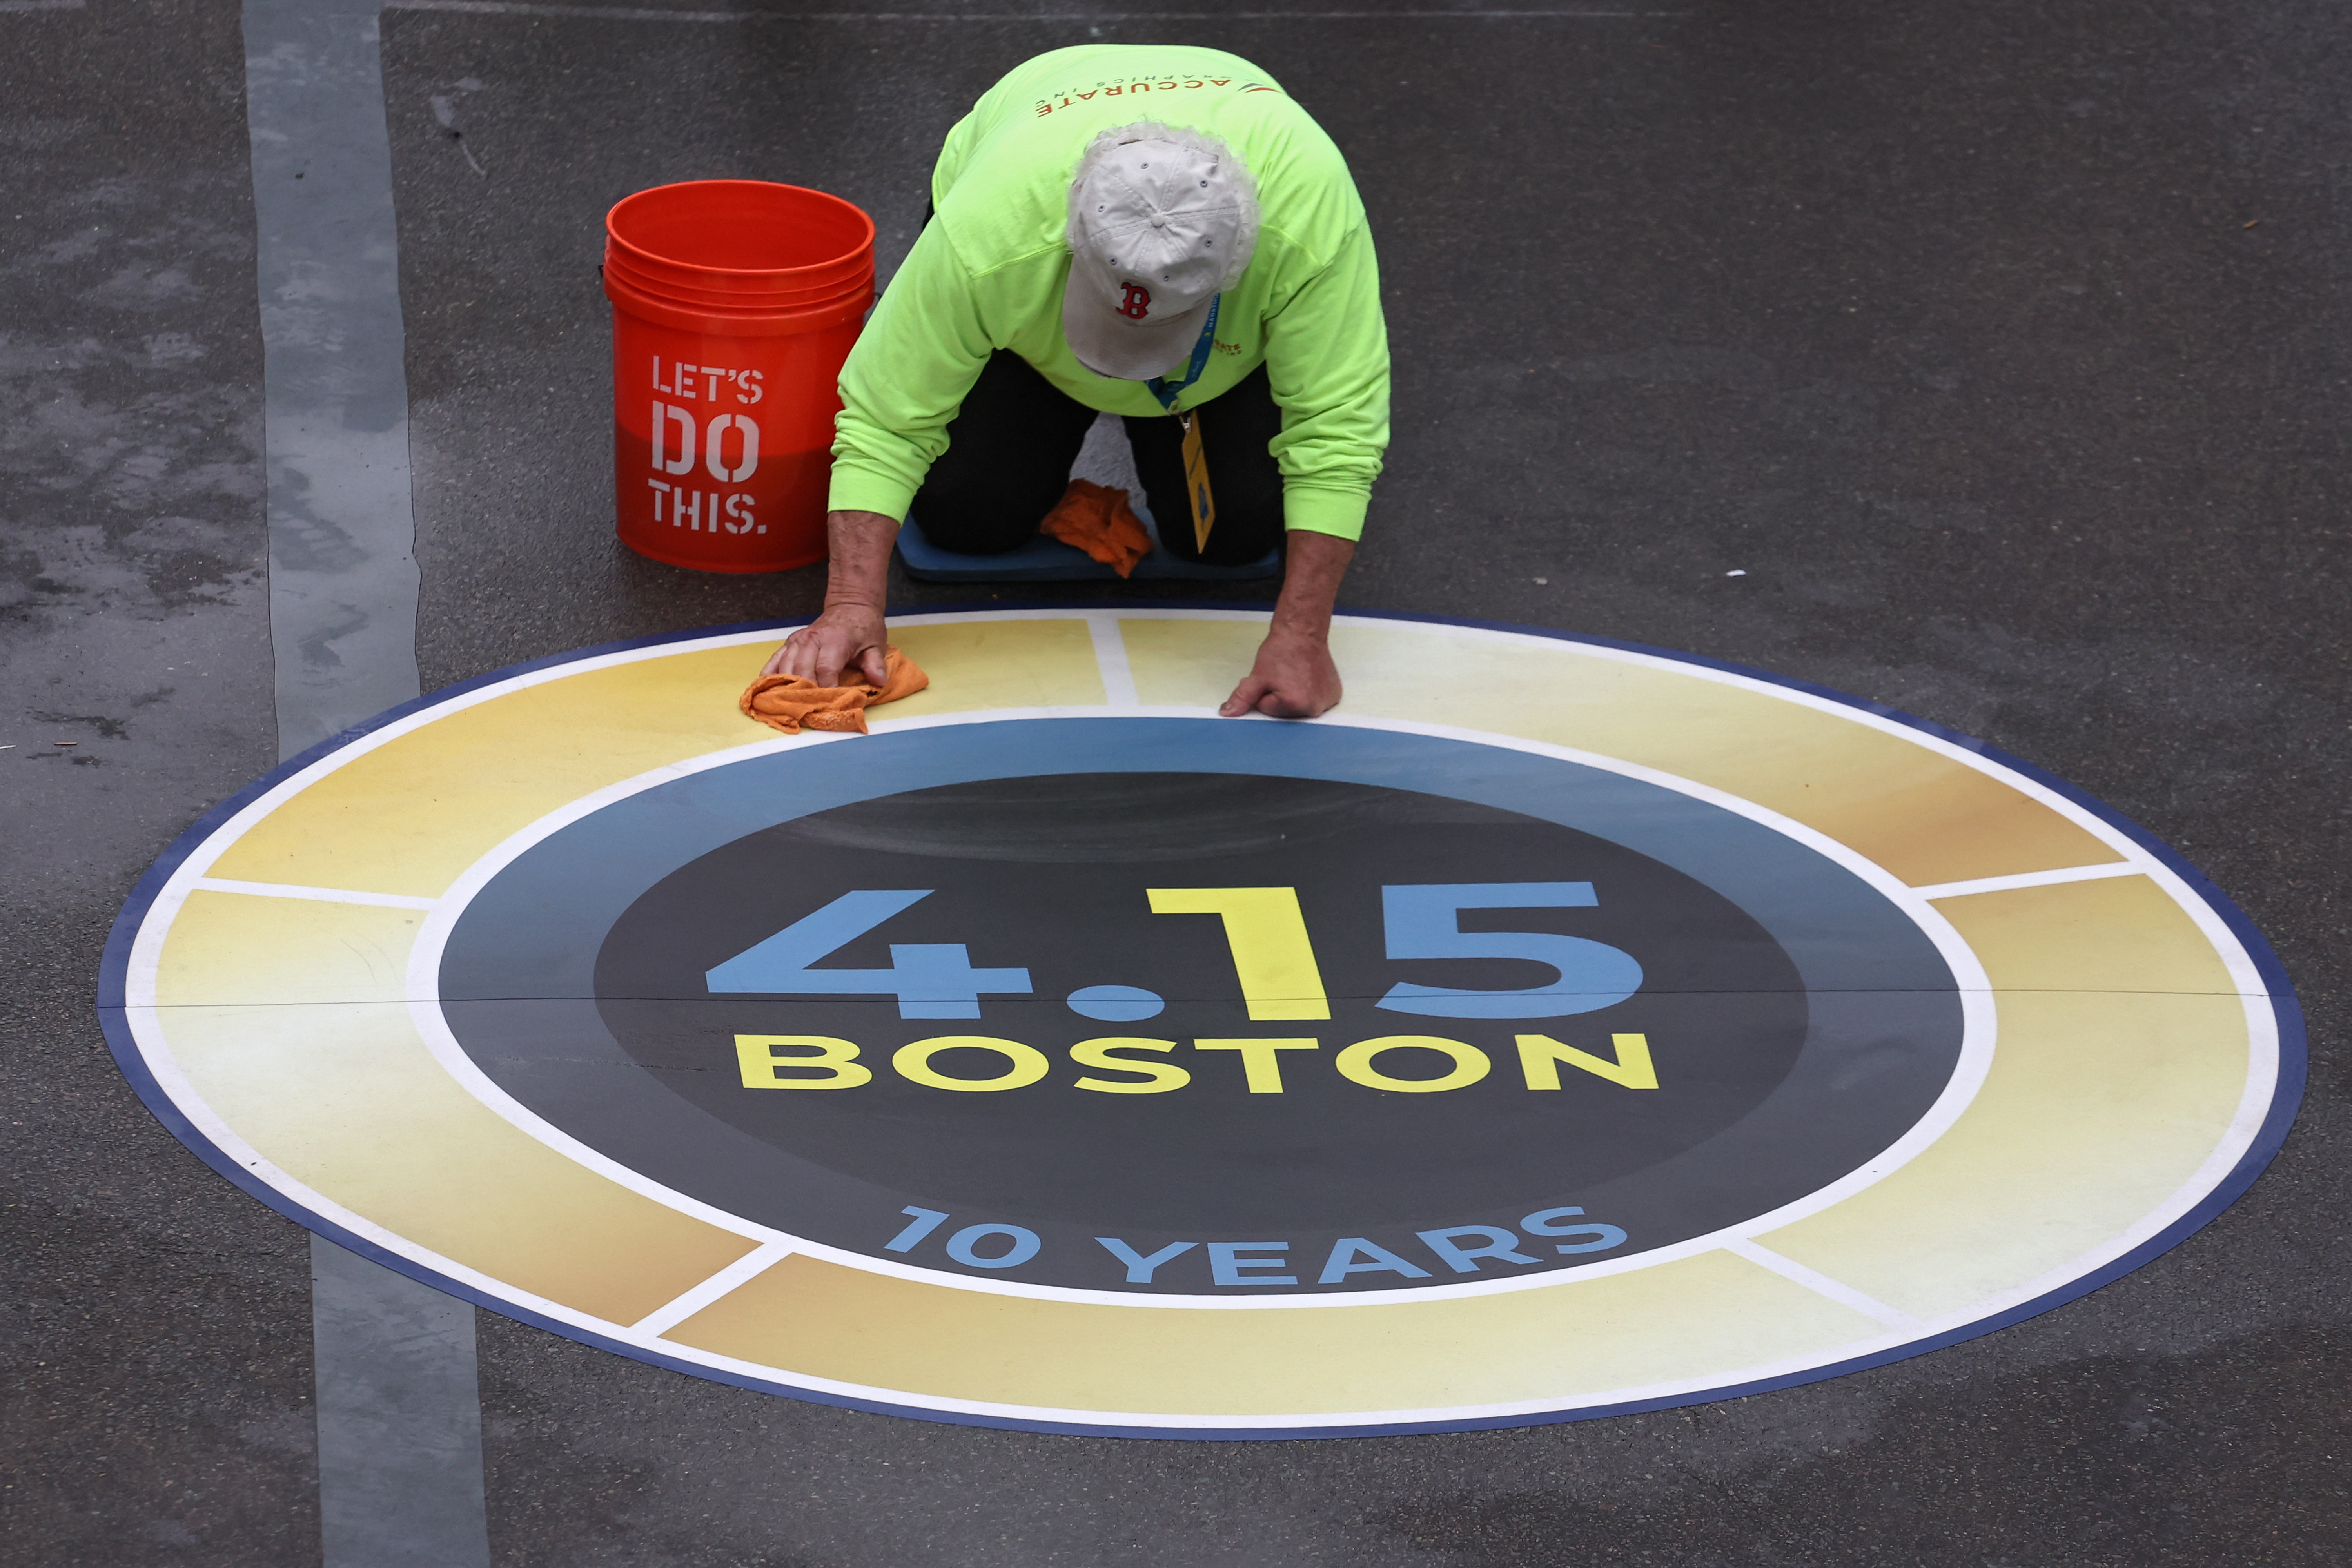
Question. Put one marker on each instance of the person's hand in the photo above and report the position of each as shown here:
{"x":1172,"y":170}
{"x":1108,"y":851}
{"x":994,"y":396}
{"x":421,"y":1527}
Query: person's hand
{"x":1294,"y":678}
{"x":847,"y":638}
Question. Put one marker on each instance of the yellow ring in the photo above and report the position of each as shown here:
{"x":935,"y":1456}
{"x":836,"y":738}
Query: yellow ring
{"x":267,"y":994}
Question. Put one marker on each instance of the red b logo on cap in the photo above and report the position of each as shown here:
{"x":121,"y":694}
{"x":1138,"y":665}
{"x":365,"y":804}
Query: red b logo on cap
{"x":1137,"y":303}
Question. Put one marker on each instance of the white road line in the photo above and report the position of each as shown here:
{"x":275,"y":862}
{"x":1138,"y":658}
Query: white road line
{"x":1822,"y":1285}
{"x":322,"y":895}
{"x":41,"y":4}
{"x":2031,"y":879}
{"x":648,"y":14}
{"x":398,"y":1410}
{"x":740,"y":1272}
{"x":399,"y":1418}
{"x":1110,"y":656}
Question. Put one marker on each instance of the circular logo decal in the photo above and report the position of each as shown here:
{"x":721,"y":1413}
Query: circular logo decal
{"x":1557,"y":1028}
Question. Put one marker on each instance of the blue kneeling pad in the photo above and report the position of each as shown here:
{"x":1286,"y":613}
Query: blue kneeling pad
{"x":1043,"y":560}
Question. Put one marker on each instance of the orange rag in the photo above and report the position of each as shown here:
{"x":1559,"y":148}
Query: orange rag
{"x":794,"y":702}
{"x":1097,"y":520}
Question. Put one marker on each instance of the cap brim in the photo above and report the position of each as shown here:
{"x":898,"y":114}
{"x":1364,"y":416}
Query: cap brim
{"x":1108,"y":345}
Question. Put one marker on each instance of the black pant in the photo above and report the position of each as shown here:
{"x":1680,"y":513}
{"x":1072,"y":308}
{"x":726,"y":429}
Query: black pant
{"x":1011,"y":445}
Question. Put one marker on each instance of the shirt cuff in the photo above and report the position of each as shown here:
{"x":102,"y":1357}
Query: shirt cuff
{"x":861,"y":489}
{"x":1339,"y":512}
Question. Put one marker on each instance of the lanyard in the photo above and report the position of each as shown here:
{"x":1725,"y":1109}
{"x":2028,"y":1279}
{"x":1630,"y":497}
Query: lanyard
{"x":1159,"y":385}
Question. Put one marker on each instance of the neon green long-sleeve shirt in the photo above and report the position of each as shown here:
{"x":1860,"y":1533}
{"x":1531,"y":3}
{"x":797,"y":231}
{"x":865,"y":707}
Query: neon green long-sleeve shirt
{"x":988,"y":272}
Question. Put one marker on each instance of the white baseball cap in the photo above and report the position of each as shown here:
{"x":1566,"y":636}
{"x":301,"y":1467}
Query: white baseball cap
{"x":1162,"y":221}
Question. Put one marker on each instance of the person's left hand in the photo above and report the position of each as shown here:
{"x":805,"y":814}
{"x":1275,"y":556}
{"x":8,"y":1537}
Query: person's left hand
{"x":1294,"y":678}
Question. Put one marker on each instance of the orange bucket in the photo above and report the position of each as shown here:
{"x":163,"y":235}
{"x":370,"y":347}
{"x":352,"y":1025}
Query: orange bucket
{"x":734,"y":303}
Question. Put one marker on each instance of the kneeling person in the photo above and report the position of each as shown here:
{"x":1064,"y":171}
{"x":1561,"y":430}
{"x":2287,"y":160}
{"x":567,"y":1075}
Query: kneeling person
{"x":1205,"y":273}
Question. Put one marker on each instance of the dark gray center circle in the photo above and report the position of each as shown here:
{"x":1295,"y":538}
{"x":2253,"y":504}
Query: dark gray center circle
{"x":1053,"y":875}
{"x":954,"y":1097}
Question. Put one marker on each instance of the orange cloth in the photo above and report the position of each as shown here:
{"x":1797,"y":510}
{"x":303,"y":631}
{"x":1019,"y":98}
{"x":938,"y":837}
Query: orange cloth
{"x":1097,"y":520}
{"x":794,"y":702}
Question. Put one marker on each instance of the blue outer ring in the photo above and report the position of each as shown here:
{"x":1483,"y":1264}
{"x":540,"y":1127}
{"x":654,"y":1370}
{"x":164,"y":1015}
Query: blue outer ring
{"x":2286,"y":1099}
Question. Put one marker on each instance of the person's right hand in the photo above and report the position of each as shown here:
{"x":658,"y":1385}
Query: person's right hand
{"x":846,"y":637}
